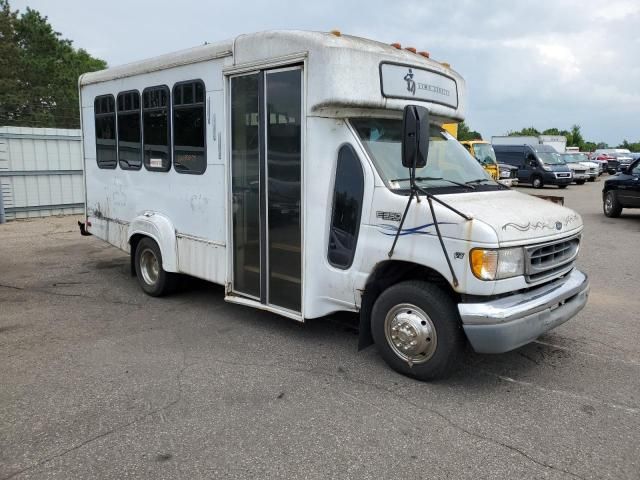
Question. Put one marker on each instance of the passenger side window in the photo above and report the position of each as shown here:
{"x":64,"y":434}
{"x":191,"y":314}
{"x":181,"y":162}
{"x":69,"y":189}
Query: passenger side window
{"x":347,"y":208}
{"x":155,"y":128}
{"x":104,"y":108}
{"x":189,"y":128}
{"x":129,"y":134}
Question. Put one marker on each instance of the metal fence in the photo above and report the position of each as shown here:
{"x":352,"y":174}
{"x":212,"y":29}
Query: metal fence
{"x":40,"y":172}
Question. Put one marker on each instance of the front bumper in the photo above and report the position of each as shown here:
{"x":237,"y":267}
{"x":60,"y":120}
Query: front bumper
{"x":508,"y":182}
{"x":506,"y":323}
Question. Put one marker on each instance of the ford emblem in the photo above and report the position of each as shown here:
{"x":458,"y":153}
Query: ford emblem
{"x":558,"y":225}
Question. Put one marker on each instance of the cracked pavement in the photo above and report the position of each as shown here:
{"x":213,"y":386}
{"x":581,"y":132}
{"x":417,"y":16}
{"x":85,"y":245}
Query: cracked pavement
{"x":100,"y":381}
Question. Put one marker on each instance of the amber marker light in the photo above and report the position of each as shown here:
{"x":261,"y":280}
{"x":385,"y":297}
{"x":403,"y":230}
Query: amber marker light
{"x":396,"y":45}
{"x":411,"y":49}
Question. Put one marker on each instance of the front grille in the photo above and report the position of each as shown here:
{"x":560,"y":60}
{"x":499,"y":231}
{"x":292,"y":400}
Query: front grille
{"x":550,"y":259}
{"x":563,"y":175}
{"x":580,"y":172}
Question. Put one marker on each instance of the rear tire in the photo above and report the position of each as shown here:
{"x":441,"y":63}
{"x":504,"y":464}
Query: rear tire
{"x":417,"y":330}
{"x":611,"y":206}
{"x":151,"y":276}
{"x":537,"y":182}
{"x":592,"y":179}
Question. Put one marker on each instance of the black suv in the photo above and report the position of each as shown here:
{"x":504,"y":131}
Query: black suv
{"x":622,"y":191}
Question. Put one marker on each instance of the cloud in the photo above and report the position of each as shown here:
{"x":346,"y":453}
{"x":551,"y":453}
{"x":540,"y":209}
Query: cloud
{"x":545,"y":63}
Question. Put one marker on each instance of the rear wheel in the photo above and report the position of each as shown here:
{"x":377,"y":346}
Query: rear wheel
{"x":417,"y":330}
{"x":151,"y":276}
{"x":592,"y":179}
{"x":537,"y":182}
{"x":611,"y":205}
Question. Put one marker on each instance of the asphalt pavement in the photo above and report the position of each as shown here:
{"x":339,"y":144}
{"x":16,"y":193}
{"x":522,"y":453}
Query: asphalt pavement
{"x":98,"y":380}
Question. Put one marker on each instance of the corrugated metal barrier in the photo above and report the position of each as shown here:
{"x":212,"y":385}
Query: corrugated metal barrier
{"x":40,"y":172}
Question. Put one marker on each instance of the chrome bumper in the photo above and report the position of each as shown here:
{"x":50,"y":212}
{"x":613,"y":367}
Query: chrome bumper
{"x":506,"y":323}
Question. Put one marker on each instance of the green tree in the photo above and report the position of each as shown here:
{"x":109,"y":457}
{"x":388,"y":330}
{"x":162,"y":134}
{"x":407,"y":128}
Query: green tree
{"x":39,"y":72}
{"x":576,"y":138}
{"x":464,"y":133}
{"x":525,"y":132}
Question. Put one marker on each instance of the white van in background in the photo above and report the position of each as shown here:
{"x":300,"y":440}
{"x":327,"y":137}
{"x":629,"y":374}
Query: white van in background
{"x":309,"y":173}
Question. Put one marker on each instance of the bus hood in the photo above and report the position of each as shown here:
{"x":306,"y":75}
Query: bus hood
{"x":517,"y":217}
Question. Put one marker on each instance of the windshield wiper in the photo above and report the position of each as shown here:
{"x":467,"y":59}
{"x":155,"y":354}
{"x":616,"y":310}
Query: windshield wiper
{"x":420,"y":179}
{"x":477,"y":181}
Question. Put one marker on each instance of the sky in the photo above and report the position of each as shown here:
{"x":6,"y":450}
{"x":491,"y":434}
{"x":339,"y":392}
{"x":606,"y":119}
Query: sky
{"x":548,"y":63}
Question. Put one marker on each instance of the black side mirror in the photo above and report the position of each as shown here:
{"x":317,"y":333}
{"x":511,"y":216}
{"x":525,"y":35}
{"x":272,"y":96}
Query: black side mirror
{"x":415,"y":136}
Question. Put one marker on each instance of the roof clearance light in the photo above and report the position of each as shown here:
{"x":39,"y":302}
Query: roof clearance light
{"x":336,"y":33}
{"x":396,"y":45}
{"x":424,"y":54}
{"x":411,"y":49}
{"x":445,"y":64}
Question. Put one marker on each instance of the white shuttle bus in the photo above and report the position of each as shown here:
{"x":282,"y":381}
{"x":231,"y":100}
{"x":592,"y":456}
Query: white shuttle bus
{"x":309,"y":173}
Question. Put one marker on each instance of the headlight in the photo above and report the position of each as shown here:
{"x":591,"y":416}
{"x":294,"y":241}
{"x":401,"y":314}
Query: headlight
{"x":497,"y":264}
{"x":548,"y":169}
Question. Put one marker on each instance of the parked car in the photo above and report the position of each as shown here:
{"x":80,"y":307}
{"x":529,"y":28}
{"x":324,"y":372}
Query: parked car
{"x":617,"y":158}
{"x":581,"y":161}
{"x":538,"y":165}
{"x":508,"y":175}
{"x":622,"y":191}
{"x":580,"y":172}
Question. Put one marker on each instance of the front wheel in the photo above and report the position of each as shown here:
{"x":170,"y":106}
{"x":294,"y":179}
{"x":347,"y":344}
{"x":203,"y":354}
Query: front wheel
{"x":417,"y":330}
{"x":536,"y":182}
{"x":611,"y":205}
{"x":151,"y":276}
{"x":592,"y":179}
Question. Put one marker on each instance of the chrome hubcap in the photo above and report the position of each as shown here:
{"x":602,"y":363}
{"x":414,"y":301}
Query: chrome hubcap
{"x":410,"y":333}
{"x":608,"y":203}
{"x":149,"y":267}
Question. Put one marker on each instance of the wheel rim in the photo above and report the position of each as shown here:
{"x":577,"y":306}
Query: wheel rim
{"x":410,"y":333}
{"x":536,"y":182}
{"x":149,"y":267}
{"x":608,"y":204}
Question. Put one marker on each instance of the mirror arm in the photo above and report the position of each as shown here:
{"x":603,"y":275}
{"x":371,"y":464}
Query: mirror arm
{"x":415,"y":191}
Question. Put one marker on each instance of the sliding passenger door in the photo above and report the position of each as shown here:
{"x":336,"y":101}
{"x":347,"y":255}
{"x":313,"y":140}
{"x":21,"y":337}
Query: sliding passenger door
{"x":266,"y":162}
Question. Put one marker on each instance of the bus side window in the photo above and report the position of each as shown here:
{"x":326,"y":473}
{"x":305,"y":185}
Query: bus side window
{"x":129,"y":135}
{"x":155,"y":128}
{"x":189,"y":127}
{"x":347,"y":208}
{"x":104,"y":108}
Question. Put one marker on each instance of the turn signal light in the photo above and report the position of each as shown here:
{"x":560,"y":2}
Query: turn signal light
{"x":411,"y":49}
{"x":424,"y":54}
{"x":396,"y":45}
{"x":445,"y":64}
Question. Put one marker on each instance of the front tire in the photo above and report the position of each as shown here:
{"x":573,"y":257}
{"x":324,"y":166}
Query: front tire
{"x":417,"y":330}
{"x":611,"y":206}
{"x":151,"y":276}
{"x":537,"y":182}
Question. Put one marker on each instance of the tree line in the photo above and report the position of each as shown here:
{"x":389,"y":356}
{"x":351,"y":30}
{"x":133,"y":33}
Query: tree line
{"x":39,"y":72}
{"x":574,"y":137}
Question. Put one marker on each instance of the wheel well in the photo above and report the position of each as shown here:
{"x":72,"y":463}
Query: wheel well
{"x":133,"y":242}
{"x":389,"y":273}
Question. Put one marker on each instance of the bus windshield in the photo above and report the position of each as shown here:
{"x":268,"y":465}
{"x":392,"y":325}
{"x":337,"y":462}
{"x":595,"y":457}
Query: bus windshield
{"x":449,"y":165}
{"x":484,"y":153}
